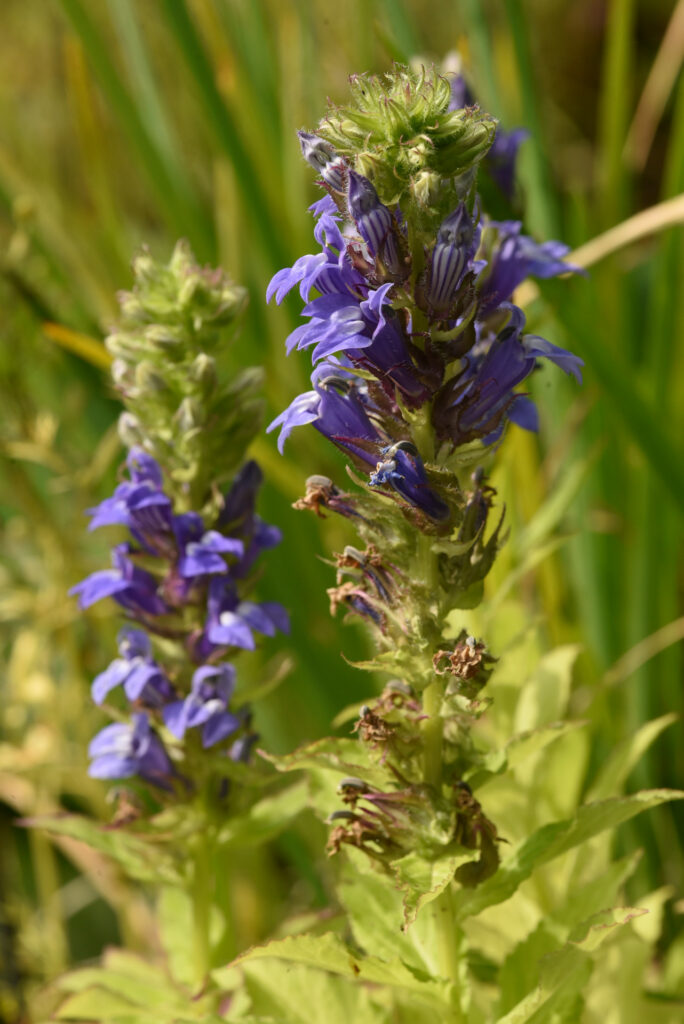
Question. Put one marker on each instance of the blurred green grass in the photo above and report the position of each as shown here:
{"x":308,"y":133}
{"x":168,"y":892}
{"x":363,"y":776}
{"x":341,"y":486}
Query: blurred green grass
{"x":138,"y":123}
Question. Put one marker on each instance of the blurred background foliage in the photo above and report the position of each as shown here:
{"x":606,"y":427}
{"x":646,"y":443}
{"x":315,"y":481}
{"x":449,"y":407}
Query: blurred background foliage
{"x":126,"y":123}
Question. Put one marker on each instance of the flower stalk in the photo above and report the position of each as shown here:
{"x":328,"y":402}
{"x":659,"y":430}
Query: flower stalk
{"x":419,"y":352}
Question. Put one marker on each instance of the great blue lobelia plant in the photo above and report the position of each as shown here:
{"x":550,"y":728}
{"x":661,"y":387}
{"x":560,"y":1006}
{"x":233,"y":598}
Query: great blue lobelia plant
{"x":420,"y":356}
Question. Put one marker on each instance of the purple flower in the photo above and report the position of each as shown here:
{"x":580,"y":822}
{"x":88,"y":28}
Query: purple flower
{"x":121,"y":751}
{"x":133,"y":588}
{"x":200,"y":550}
{"x":206,"y":705}
{"x":502,"y":156}
{"x":231,"y":622}
{"x":238,"y":516}
{"x":366,"y":332}
{"x":328,"y":271}
{"x":241,"y":749}
{"x":402,"y":468}
{"x":516,"y":257}
{"x":477,"y":403}
{"x":136,"y":670}
{"x":138,"y":503}
{"x":375,"y":224}
{"x":336,"y":411}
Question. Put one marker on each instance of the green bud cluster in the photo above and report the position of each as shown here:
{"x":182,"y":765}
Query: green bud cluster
{"x":166,"y":366}
{"x":398,"y":131}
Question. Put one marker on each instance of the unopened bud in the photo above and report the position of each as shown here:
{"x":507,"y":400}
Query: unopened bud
{"x":323,"y":158}
{"x":130,"y":431}
{"x":203,"y":372}
{"x":189,"y":415}
{"x":147,"y":378}
{"x":163,"y":337}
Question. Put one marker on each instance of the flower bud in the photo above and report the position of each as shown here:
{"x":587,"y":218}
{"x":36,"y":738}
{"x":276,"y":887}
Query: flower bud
{"x":130,"y":430}
{"x":189,"y":416}
{"x":323,"y":158}
{"x":148,"y":379}
{"x":203,"y":372}
{"x":375,"y":223}
{"x":452,"y":252}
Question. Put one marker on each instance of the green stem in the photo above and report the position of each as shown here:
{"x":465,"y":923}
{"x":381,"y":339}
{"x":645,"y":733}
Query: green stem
{"x":432,"y":734}
{"x":426,"y":570}
{"x":201,"y":906}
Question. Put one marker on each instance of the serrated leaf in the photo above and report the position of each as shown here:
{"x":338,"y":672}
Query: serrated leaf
{"x":334,"y":753}
{"x":554,"y":839}
{"x":330,"y":953}
{"x":375,"y":910}
{"x":563,"y":975}
{"x":588,"y":897}
{"x":267,"y":817}
{"x":127,"y":985}
{"x":139,"y":859}
{"x":421,"y":881}
{"x":590,"y":934}
{"x":307,"y":996}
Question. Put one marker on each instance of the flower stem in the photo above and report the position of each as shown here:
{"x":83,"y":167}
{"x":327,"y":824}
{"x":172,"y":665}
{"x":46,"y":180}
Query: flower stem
{"x":201,"y":907}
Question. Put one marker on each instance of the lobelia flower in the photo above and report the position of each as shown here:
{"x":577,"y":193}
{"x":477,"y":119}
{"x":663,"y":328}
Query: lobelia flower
{"x":232,"y":622}
{"x":336,"y":411}
{"x":515,"y":257}
{"x":136,"y":670}
{"x":122,"y":751}
{"x":201,"y":550}
{"x":133,"y":588}
{"x":403,"y":469}
{"x":477,"y":402}
{"x":206,"y":705}
{"x":139,"y":503}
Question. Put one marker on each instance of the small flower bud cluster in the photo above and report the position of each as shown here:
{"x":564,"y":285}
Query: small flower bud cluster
{"x":166,"y":352}
{"x":184,"y":575}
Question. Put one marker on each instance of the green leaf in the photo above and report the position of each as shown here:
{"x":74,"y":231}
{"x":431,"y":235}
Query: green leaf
{"x":545,"y":696}
{"x":551,"y":841}
{"x":307,"y":996}
{"x":375,"y":910}
{"x":564,"y":974}
{"x":139,"y":859}
{"x":589,"y":896}
{"x":336,"y":754}
{"x":625,"y":756}
{"x":101,"y":1005}
{"x":127,"y":988}
{"x":518,"y":749}
{"x":423,"y":880}
{"x":175,"y":922}
{"x":330,"y":953}
{"x":266,"y":818}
